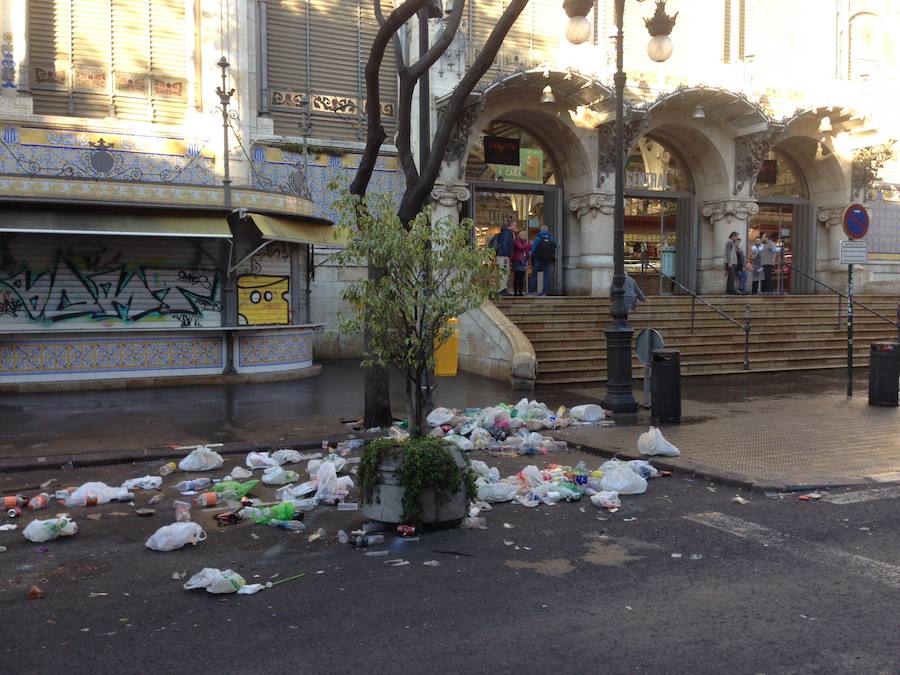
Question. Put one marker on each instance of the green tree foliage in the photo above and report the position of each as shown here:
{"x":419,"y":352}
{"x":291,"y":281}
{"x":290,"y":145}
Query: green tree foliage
{"x":429,"y":273}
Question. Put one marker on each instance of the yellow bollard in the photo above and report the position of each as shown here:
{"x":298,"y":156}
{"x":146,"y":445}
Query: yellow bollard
{"x":446,"y":355}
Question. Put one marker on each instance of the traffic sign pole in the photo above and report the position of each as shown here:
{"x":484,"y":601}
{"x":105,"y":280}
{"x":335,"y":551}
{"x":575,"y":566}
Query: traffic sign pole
{"x":850,"y":330}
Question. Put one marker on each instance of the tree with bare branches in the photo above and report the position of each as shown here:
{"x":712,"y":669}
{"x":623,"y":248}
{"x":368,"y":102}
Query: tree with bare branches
{"x":419,"y":180}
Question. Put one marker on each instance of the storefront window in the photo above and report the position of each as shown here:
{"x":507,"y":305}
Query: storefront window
{"x":652,"y":166}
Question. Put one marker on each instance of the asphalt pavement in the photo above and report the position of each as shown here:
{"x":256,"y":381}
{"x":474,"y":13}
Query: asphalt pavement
{"x":681,"y":579}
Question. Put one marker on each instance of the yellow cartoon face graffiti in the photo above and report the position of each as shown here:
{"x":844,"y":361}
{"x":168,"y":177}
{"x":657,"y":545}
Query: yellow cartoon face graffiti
{"x":263,"y":300}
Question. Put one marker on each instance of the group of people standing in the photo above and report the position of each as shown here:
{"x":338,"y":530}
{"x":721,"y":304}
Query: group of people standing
{"x":763,"y":256}
{"x":514,"y":252}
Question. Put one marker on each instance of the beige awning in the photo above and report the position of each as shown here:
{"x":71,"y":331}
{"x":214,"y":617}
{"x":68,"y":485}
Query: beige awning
{"x":299,"y":230}
{"x":117,"y":224}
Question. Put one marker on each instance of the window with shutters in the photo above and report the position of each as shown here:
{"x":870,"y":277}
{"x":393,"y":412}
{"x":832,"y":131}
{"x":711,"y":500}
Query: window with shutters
{"x":102,"y":58}
{"x":317,"y":50}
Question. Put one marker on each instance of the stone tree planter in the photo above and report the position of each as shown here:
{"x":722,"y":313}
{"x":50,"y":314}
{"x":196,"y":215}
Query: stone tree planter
{"x":385,"y":504}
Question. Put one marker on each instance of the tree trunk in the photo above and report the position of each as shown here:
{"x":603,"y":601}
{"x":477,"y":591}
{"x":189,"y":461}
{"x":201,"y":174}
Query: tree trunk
{"x":377,"y":384}
{"x":418,"y":406}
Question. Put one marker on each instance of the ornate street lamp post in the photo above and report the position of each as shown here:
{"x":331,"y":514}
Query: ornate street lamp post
{"x":619,"y":397}
{"x":224,"y":100}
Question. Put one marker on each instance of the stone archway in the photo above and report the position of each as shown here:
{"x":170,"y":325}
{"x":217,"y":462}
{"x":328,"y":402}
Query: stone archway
{"x":516,"y":99}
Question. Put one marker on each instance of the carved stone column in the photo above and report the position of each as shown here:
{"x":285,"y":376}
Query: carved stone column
{"x":726,"y":216}
{"x":830,"y":217}
{"x":594,"y":211}
{"x":447,"y":199}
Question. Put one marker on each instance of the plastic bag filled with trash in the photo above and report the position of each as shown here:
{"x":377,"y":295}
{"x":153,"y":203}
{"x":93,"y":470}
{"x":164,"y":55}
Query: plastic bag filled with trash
{"x":201,"y":459}
{"x":652,"y":443}
{"x":40,"y":531}
{"x":176,"y":535}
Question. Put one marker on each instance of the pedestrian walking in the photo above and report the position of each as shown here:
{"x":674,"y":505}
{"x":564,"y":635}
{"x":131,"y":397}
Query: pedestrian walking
{"x":521,"y":252}
{"x":730,"y":257}
{"x":767,"y":260}
{"x":756,"y":264}
{"x":503,"y":243}
{"x":543,"y":257}
{"x":741,"y":267}
{"x":633,"y":293}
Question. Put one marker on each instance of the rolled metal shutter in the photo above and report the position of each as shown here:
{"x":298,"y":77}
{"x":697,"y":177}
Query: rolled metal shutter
{"x":49,"y":39}
{"x":72,"y":282}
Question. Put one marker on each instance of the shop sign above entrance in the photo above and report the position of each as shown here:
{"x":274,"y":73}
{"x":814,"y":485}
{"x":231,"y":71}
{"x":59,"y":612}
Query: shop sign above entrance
{"x":856,"y":221}
{"x":499,"y":150}
{"x":642,"y":180}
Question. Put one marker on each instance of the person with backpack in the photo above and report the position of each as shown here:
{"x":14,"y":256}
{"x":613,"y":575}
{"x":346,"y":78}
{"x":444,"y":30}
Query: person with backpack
{"x":503,"y":244}
{"x":543,"y":256}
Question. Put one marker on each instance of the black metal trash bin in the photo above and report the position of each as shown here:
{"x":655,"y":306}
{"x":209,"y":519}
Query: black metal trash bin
{"x":884,"y":373}
{"x":665,"y":386}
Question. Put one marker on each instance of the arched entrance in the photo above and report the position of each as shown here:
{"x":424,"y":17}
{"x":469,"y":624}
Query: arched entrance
{"x":512,"y":179}
{"x":659,"y":195}
{"x":787,"y":215}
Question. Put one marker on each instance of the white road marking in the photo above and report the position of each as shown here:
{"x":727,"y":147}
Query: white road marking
{"x":855,"y":564}
{"x":865,"y":495}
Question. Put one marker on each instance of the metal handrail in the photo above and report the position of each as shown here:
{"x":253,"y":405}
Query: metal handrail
{"x":746,"y":326}
{"x":843,"y":296}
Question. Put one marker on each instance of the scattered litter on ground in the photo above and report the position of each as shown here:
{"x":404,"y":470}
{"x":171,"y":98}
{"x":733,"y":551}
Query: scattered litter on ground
{"x":7,"y":527}
{"x":508,"y":526}
{"x":145,"y":512}
{"x":431,"y":563}
{"x":94,"y":516}
{"x":696,"y":556}
{"x":315,"y":536}
{"x":35,"y":593}
{"x":98,"y":595}
{"x":812,"y":496}
{"x":676,"y":555}
{"x":375,"y":554}
{"x":471,"y":523}
{"x":216,"y":581}
{"x":740,"y":500}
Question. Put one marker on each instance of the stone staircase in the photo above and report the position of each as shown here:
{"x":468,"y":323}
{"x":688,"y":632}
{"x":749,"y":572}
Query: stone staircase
{"x":787,"y":333}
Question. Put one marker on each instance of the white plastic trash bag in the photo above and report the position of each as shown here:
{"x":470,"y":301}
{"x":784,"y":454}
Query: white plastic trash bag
{"x":496,"y":492}
{"x":481,"y":438}
{"x":531,"y":476}
{"x":216,"y":581}
{"x":460,"y":442}
{"x":327,"y":482}
{"x":286,"y":456}
{"x":259,"y":460}
{"x":643,"y":468}
{"x":439,"y":416}
{"x":176,"y":535}
{"x":238,"y":473}
{"x":143,"y":483}
{"x":652,"y":443}
{"x":201,"y":459}
{"x":40,"y":531}
{"x":481,"y":468}
{"x":278,"y":475}
{"x":607,"y":499}
{"x":619,"y":477}
{"x":94,"y":493}
{"x":587,"y":413}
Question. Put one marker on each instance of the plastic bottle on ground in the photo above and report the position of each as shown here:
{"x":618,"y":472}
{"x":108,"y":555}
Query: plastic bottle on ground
{"x":39,"y":502}
{"x":13,"y":501}
{"x":342,"y":537}
{"x":293,"y":525}
{"x":167,"y":468}
{"x":182,"y":511}
{"x":207,"y":499}
{"x":196,"y":484}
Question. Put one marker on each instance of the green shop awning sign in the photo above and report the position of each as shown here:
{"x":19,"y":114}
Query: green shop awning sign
{"x":529,"y":170}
